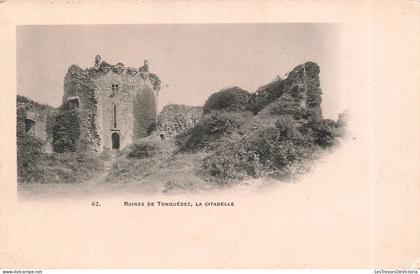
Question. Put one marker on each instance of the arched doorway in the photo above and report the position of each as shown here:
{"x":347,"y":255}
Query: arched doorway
{"x":28,"y":124}
{"x":115,"y":137}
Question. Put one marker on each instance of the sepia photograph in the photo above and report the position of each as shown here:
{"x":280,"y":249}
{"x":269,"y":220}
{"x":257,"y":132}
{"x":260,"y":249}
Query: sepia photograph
{"x":234,"y":135}
{"x":175,"y":108}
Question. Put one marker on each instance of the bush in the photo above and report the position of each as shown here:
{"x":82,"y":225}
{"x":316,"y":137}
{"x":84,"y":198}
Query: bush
{"x":230,"y":99}
{"x":232,"y":162}
{"x":323,"y":133}
{"x":266,"y":95}
{"x":284,"y":106}
{"x":34,"y":166}
{"x":155,"y":81}
{"x":149,"y":147}
{"x":280,"y":150}
{"x":29,"y":148}
{"x":29,"y":157}
{"x":211,"y":128}
{"x":71,"y":167}
{"x":141,"y":151}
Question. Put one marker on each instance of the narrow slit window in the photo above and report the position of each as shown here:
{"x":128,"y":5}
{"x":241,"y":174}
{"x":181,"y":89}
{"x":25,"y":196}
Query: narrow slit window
{"x":114,"y":87}
{"x":115,"y":116}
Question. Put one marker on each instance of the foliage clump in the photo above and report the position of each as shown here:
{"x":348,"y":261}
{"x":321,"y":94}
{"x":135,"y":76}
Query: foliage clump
{"x":278,"y":131}
{"x":35,"y":165}
{"x":156,"y":82}
{"x":211,"y":128}
{"x":29,"y":151}
{"x":283,"y":150}
{"x":230,"y":99}
{"x":142,"y":151}
{"x":266,"y":94}
{"x":66,"y":130}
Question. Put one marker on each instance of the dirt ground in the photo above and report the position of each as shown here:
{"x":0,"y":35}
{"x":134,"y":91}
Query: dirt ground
{"x":323,"y":220}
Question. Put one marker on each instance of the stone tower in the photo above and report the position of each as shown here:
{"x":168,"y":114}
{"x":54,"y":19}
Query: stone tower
{"x":115,"y":104}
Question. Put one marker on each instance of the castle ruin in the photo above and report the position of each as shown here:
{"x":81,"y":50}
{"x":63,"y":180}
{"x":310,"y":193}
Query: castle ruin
{"x":115,"y":104}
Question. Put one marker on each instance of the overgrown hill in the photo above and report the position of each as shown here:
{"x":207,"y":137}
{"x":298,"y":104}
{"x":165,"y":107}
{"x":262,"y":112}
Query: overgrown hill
{"x":282,"y":136}
{"x":276,"y":131}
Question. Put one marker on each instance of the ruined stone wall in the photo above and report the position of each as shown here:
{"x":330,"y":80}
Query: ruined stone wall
{"x":145,"y":113}
{"x":300,"y":96}
{"x":111,"y":99}
{"x":175,"y":119}
{"x":80,"y":91}
{"x":123,"y":99}
{"x":36,"y":120}
{"x":303,"y":86}
{"x":266,"y":94}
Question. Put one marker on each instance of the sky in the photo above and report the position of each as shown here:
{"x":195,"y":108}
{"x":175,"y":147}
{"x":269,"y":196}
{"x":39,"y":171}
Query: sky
{"x":193,"y":61}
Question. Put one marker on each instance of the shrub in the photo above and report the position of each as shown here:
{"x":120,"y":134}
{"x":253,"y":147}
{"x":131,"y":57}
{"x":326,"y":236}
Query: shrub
{"x":71,"y":167}
{"x":29,"y":148}
{"x":266,"y":95}
{"x":231,"y":162}
{"x":22,"y":100}
{"x":155,"y":81}
{"x":141,"y":151}
{"x":211,"y":128}
{"x":286,"y":105}
{"x":230,"y":99}
{"x":150,"y":147}
{"x":29,"y":157}
{"x":280,"y":145}
{"x":323,"y":133}
{"x":279,"y":150}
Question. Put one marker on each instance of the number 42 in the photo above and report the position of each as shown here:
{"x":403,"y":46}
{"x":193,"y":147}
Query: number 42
{"x":95,"y":203}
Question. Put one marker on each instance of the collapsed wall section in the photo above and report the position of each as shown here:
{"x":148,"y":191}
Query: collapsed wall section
{"x":145,"y":113}
{"x":35,"y":120}
{"x":300,"y":96}
{"x":176,"y":119}
{"x":79,"y":93}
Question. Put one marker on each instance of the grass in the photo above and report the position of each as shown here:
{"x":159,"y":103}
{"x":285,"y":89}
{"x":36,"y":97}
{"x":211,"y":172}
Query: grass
{"x":152,"y":161}
{"x":66,"y":168}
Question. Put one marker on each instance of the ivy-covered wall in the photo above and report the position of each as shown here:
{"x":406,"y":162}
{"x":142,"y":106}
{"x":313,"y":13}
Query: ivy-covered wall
{"x":300,"y":96}
{"x":79,"y":87}
{"x":66,"y":130}
{"x":34,"y":133}
{"x":176,"y":119}
{"x":145,"y":113}
{"x":112,"y":99}
{"x":35,"y":119}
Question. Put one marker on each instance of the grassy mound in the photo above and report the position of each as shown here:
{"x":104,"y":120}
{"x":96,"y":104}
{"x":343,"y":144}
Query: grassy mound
{"x":158,"y":162}
{"x":266,"y":94}
{"x":212,"y":129}
{"x":277,"y":131}
{"x":230,"y":99}
{"x":282,"y":151}
{"x":141,"y":159}
{"x":65,"y":168}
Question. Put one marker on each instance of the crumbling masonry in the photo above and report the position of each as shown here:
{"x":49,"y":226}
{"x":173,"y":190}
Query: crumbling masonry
{"x":116,"y":104}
